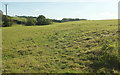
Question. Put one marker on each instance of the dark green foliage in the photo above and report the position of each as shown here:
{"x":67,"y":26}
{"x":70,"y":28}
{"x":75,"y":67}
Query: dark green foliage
{"x":48,"y":21}
{"x":26,"y":20}
{"x":18,"y":22}
{"x":67,"y":19}
{"x":41,"y":20}
{"x":7,"y":21}
{"x":54,"y":20}
{"x":25,"y":16}
{"x":30,"y":21}
{"x":71,"y":19}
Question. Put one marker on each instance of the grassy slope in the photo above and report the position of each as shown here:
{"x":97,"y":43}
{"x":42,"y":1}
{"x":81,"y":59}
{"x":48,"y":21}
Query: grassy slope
{"x":61,"y":47}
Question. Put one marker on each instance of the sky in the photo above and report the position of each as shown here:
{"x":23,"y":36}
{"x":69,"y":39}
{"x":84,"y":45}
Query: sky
{"x":58,"y":9}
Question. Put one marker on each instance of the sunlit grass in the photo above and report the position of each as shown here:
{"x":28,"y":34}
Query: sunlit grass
{"x":60,"y":47}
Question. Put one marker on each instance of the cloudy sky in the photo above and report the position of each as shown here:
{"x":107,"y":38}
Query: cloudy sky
{"x":58,"y":9}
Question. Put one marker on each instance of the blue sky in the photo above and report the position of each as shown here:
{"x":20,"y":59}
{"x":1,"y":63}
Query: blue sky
{"x":94,"y":10}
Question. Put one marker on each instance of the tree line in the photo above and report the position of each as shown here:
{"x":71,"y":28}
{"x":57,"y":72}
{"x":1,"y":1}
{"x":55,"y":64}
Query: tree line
{"x":30,"y":21}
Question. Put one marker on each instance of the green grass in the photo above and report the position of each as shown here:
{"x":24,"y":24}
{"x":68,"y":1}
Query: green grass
{"x":19,"y":19}
{"x":68,"y":47}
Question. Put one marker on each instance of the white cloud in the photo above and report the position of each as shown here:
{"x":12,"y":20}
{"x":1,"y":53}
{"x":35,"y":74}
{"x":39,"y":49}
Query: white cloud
{"x":37,"y":10}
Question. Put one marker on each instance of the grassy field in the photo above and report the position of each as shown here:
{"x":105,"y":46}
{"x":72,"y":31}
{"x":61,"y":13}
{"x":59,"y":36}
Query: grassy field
{"x":70,"y":47}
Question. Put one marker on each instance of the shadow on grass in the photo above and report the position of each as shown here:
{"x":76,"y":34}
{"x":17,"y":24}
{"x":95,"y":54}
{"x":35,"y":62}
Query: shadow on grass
{"x":108,"y":62}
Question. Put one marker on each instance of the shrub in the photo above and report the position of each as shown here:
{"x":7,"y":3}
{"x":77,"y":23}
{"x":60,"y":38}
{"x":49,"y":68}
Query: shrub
{"x":7,"y":22}
{"x":41,"y":20}
{"x":30,"y":22}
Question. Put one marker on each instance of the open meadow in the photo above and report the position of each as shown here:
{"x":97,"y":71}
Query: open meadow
{"x":68,"y":47}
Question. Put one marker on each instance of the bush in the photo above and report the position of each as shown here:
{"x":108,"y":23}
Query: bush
{"x":54,"y":20}
{"x":47,"y":21}
{"x":71,"y":19}
{"x":41,"y":20}
{"x":30,"y":22}
{"x":7,"y":22}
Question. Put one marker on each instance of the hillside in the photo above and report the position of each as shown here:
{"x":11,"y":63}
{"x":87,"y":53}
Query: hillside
{"x":70,"y":47}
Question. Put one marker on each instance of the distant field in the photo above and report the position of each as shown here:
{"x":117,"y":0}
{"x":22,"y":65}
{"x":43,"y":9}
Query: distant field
{"x":69,"y":47}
